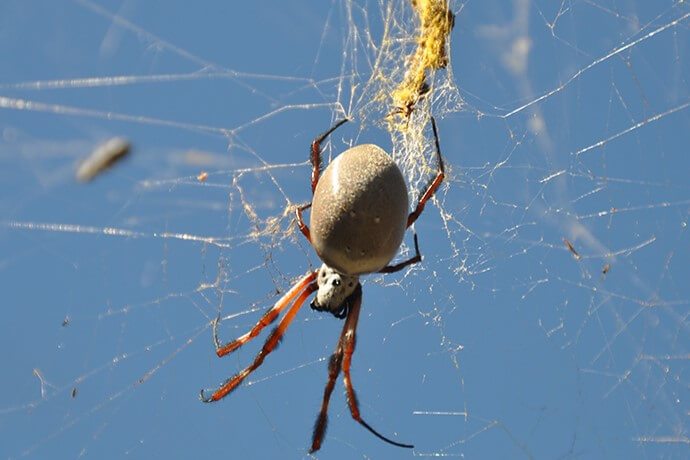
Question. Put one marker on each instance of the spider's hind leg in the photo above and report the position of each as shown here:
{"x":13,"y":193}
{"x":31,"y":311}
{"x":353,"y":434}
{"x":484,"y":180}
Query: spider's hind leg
{"x":316,"y":153}
{"x":300,"y":221}
{"x":431,"y":188}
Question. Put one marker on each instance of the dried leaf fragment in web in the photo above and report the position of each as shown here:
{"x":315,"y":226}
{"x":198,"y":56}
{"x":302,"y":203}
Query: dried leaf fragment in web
{"x":436,"y":23}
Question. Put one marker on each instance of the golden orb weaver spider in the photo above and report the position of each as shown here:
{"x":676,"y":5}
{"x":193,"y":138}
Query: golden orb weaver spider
{"x":358,"y":219}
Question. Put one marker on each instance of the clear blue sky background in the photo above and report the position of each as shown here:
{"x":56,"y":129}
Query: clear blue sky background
{"x":501,"y":345}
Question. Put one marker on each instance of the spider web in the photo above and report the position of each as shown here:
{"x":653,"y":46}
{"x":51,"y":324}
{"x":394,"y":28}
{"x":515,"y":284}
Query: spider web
{"x":560,"y":123}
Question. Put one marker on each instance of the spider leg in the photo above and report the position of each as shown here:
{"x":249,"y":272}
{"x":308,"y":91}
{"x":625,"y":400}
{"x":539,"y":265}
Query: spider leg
{"x":300,"y":221}
{"x":316,"y":153}
{"x":268,"y":347}
{"x":268,"y":318}
{"x":431,"y":188}
{"x":341,"y":359}
{"x":347,"y":360}
{"x":412,"y":260}
{"x":334,"y":367}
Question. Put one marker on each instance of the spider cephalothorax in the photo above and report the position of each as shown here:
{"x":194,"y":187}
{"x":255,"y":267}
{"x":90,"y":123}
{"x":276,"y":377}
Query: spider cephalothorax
{"x":359,"y":217}
{"x":334,"y":291}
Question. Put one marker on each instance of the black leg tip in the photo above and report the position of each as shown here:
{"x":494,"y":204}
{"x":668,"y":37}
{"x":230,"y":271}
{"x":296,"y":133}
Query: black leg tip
{"x":204,"y":398}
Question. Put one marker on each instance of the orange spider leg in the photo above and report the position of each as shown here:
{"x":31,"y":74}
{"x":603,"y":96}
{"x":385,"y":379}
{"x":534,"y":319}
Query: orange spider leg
{"x":341,"y":359}
{"x":300,"y":221}
{"x":316,"y":153}
{"x":347,"y":359}
{"x":265,"y":320}
{"x":315,"y":158}
{"x":431,"y":189}
{"x":268,"y":347}
{"x":334,"y":366}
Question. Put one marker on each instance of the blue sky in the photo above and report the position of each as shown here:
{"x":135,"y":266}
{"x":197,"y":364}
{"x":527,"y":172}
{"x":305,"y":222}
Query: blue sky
{"x":574,"y":126}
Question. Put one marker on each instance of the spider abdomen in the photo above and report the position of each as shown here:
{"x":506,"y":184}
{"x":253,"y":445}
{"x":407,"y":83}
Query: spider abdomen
{"x":359,"y":211}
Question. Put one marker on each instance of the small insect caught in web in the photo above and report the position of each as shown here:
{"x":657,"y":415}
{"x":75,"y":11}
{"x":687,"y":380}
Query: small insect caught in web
{"x":572,"y":249}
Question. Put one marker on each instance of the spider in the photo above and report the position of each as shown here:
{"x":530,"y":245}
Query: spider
{"x":359,"y":215}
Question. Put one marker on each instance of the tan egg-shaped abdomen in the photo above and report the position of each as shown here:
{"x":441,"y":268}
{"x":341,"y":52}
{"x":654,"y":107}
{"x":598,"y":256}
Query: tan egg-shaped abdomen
{"x":359,"y":211}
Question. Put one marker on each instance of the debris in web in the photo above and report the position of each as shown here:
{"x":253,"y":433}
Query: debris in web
{"x":436,"y":22}
{"x":405,"y":87}
{"x":103,"y":157}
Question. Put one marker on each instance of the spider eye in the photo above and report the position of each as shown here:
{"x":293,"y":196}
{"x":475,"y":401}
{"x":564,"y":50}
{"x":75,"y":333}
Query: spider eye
{"x":350,"y":284}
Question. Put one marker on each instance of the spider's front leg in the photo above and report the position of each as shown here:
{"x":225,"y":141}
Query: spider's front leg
{"x":268,"y":318}
{"x":346,"y":361}
{"x":340,"y":360}
{"x":273,"y":339}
